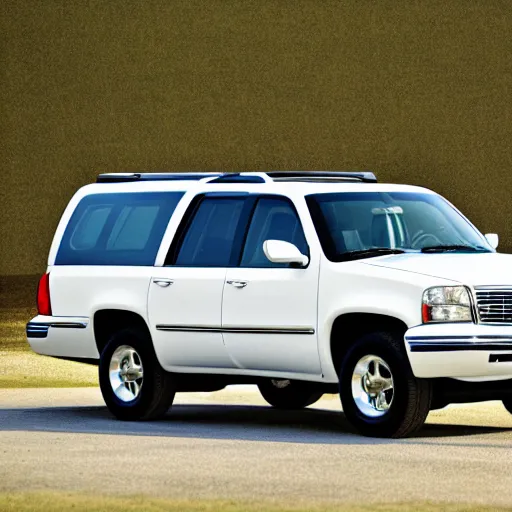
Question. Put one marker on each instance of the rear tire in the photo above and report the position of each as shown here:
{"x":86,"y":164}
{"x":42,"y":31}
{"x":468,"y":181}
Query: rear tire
{"x":379,"y":393}
{"x":133,"y":384}
{"x":288,"y":394}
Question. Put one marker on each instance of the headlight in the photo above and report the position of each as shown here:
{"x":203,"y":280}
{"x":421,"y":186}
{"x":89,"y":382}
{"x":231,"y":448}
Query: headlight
{"x":446,"y":304}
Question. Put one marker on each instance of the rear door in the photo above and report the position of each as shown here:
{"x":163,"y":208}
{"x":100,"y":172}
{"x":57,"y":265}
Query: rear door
{"x":269,"y":312}
{"x":185,"y":295}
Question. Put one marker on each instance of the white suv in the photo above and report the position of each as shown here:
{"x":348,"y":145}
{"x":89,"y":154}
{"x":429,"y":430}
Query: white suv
{"x":302,"y":283}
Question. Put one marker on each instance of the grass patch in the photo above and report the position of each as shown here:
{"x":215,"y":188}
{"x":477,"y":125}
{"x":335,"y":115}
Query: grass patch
{"x":12,"y":329}
{"x":21,"y":367}
{"x":17,"y":307}
{"x":30,"y":370}
{"x":60,"y":501}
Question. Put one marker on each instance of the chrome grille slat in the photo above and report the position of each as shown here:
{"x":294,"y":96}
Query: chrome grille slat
{"x":494,"y":304}
{"x":493,"y":311}
{"x":496,"y":297}
{"x":500,"y":303}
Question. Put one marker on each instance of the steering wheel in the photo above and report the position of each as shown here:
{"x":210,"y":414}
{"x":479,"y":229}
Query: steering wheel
{"x":420,"y":237}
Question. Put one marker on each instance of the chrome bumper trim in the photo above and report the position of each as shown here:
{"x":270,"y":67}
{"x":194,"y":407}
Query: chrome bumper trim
{"x":455,"y":343}
{"x":69,"y":325}
{"x":40,"y":329}
{"x":37,"y":330}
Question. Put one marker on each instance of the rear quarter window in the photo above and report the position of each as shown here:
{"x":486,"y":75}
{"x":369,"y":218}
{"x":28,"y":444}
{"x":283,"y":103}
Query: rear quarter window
{"x":117,"y":229}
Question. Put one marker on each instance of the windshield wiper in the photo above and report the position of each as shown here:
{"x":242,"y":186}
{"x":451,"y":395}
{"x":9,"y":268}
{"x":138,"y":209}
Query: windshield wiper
{"x":448,"y":248}
{"x":369,"y":253}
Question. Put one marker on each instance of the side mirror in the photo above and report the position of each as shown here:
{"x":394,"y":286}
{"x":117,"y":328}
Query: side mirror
{"x":493,"y":239}
{"x":278,"y":251}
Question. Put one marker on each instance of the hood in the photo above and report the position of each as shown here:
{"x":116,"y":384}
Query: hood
{"x":472,"y":269}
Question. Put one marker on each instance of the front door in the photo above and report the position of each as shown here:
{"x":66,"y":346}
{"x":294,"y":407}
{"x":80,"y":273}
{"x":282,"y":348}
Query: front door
{"x":185,"y":296}
{"x":269,"y":311}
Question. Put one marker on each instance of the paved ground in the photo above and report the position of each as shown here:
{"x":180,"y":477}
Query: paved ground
{"x":229,"y":445}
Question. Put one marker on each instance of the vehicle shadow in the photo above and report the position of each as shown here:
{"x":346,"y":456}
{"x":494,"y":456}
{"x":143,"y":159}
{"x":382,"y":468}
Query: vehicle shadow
{"x":233,"y":422}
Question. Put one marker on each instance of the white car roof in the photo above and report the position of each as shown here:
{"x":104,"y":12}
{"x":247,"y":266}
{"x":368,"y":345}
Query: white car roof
{"x":288,"y":188}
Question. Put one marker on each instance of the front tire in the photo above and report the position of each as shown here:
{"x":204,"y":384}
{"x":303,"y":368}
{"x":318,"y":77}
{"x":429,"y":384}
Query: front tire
{"x":379,"y":393}
{"x":133,"y":384}
{"x":288,"y":394}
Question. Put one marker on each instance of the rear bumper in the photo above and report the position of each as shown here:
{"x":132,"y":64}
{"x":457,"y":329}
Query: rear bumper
{"x":71,"y":337}
{"x":465,"y":351}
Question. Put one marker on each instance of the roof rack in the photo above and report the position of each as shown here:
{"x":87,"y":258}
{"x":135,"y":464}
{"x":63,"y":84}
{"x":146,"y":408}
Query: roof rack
{"x":245,"y":177}
{"x":120,"y":177}
{"x":323,"y":176}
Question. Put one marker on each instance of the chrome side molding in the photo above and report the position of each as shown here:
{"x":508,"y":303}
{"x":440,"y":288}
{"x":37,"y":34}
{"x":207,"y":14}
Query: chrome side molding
{"x":241,"y":330}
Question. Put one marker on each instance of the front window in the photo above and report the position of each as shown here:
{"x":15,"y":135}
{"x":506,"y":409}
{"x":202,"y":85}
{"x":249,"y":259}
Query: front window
{"x":353,"y":225}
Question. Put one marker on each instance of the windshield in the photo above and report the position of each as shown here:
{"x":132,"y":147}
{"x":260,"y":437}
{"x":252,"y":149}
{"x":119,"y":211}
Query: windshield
{"x":353,"y":225}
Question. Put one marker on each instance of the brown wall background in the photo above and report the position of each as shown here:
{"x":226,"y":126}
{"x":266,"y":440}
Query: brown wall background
{"x":419,"y":92}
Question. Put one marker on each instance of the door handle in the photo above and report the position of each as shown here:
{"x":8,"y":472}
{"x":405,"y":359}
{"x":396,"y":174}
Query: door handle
{"x":238,"y":284}
{"x":164,"y":283}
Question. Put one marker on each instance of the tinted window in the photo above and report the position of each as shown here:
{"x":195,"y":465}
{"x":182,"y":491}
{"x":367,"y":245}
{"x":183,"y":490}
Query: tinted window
{"x":208,"y":240}
{"x":273,"y":219}
{"x":117,"y":229}
{"x":89,"y":227}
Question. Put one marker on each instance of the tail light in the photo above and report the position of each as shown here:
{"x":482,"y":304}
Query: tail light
{"x":44,"y":306}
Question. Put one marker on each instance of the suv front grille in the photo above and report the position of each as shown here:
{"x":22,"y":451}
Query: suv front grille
{"x":494,"y":305}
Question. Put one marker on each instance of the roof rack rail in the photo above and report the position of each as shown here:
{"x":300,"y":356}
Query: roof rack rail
{"x":323,"y":176}
{"x":238,"y":177}
{"x":120,"y":177}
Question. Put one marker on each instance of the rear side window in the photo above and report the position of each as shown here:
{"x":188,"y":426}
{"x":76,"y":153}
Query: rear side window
{"x":209,"y":238}
{"x":117,"y":229}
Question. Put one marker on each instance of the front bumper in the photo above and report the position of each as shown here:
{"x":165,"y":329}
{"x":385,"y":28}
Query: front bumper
{"x":62,"y":336}
{"x":465,"y":351}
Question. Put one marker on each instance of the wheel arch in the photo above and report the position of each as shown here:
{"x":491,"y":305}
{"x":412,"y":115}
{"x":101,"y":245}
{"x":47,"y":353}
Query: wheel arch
{"x":349,"y":327}
{"x":106,"y":322}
